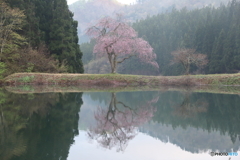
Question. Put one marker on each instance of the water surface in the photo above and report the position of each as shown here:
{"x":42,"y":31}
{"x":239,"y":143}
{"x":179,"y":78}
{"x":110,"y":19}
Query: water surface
{"x":146,"y":125}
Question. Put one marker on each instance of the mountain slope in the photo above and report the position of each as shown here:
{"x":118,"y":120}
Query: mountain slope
{"x":88,"y":12}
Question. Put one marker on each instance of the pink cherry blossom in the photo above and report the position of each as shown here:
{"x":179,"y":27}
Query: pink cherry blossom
{"x":118,"y":41}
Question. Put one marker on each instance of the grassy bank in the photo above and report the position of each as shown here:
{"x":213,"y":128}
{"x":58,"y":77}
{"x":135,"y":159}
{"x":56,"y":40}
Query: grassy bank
{"x":120,"y":80}
{"x":23,"y":89}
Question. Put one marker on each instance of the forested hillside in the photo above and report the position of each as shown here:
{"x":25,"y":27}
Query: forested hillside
{"x":212,"y":31}
{"x":38,"y":36}
{"x":87,"y":12}
{"x":144,"y":8}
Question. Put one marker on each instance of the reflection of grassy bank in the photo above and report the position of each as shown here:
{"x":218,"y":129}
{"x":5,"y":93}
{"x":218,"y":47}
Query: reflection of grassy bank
{"x":62,"y":88}
{"x":120,"y":80}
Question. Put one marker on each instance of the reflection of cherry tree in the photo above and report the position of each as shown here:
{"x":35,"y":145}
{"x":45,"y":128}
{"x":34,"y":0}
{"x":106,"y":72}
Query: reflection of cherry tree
{"x":117,"y":124}
{"x":188,"y":108}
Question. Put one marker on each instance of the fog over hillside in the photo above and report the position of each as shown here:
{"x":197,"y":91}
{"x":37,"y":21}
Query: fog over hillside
{"x":87,"y":12}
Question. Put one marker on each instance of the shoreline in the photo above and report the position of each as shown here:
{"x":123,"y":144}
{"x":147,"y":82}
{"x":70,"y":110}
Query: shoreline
{"x":26,"y":89}
{"x":118,"y":80}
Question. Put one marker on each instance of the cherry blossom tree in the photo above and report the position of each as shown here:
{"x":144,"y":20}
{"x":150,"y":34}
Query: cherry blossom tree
{"x":118,"y":124}
{"x":118,"y":41}
{"x":186,"y":57}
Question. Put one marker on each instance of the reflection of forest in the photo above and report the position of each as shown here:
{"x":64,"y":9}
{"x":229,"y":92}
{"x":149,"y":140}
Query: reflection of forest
{"x":200,"y":121}
{"x":117,"y":123}
{"x":190,"y":138}
{"x":38,"y":126}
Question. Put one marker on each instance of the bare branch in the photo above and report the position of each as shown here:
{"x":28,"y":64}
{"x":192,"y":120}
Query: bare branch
{"x":186,"y":57}
{"x":125,"y":58}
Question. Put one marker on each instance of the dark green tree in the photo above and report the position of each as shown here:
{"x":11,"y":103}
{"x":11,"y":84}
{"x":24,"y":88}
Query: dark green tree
{"x":216,"y":63}
{"x":50,"y":22}
{"x":63,"y":39}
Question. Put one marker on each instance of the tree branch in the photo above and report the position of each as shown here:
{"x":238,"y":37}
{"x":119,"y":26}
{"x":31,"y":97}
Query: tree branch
{"x":117,"y":27}
{"x":125,"y":58}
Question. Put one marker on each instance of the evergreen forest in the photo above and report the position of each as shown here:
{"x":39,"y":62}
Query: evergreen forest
{"x":213,"y":31}
{"x":42,"y":36}
{"x":89,"y":11}
{"x":38,"y":36}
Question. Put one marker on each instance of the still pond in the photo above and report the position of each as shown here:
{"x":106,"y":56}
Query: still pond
{"x":144,"y":125}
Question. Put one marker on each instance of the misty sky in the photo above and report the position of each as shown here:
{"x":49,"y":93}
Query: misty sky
{"x":121,"y":1}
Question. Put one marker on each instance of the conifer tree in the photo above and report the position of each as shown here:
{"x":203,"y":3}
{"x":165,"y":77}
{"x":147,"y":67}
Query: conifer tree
{"x":50,"y":22}
{"x":216,"y":63}
{"x":63,"y":39}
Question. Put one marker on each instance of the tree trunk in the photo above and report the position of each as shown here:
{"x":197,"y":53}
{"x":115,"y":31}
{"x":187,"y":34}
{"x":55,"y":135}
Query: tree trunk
{"x":114,"y":69}
{"x":187,"y":69}
{"x":113,"y":62}
{"x":113,"y":65}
